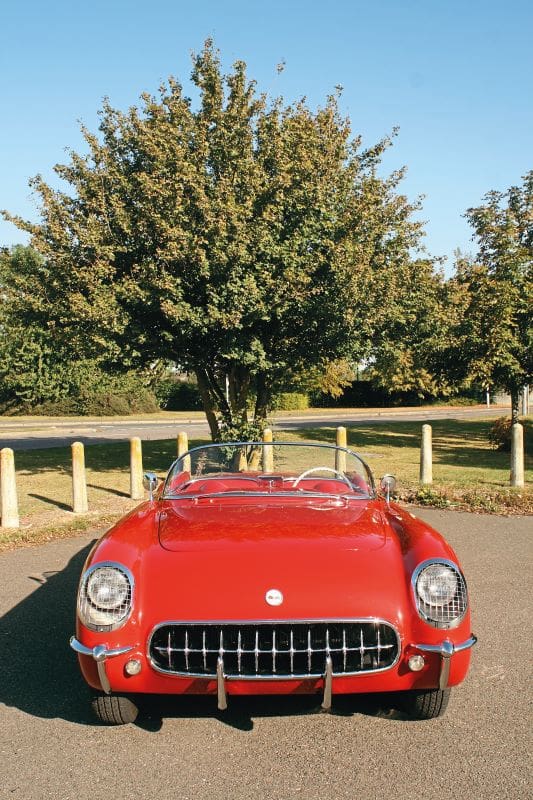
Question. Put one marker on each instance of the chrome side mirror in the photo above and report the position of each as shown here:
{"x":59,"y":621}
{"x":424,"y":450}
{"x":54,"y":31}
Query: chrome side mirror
{"x":150,"y":481}
{"x":387,"y":486}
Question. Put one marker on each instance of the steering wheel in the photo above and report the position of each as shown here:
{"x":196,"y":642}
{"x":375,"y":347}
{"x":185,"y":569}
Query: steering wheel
{"x":336,"y":472}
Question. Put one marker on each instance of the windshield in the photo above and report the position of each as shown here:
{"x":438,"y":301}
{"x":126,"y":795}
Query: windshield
{"x":280,"y":468}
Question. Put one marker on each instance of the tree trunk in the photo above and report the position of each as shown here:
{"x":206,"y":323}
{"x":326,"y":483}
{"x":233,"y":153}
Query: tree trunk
{"x":239,"y":380}
{"x":515,"y":404}
{"x":262,"y":401}
{"x":208,"y":403}
{"x":225,"y":399}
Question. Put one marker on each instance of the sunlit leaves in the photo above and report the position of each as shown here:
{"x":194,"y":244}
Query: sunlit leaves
{"x":248,"y":240}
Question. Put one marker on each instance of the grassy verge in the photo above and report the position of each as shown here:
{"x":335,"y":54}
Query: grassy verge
{"x":468,"y":474}
{"x":166,"y":416}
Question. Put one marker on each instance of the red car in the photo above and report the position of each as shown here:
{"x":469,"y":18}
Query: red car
{"x":271,"y":569}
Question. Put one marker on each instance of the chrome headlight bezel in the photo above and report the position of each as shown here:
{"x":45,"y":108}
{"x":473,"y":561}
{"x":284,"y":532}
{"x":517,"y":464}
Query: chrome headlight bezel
{"x":444,"y":614}
{"x":105,"y":617}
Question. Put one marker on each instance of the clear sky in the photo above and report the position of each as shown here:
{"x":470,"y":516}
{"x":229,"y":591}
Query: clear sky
{"x":456,"y":76}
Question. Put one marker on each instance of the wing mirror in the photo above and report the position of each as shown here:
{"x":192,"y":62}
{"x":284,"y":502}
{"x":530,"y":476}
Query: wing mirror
{"x":387,"y":486}
{"x":150,"y":481}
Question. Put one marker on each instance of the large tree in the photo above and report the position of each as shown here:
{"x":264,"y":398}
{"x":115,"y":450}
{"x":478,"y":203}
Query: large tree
{"x":245,"y":239}
{"x":494,"y":291}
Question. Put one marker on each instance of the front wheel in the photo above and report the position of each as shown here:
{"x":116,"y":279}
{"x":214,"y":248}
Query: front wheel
{"x":426,"y":704}
{"x":114,"y":709}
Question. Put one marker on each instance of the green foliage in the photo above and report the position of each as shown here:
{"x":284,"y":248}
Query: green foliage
{"x":247,"y":240}
{"x":97,"y":402}
{"x":176,"y":395}
{"x":407,"y":357}
{"x":372,"y":394}
{"x":493,"y":330}
{"x":290,"y":401}
{"x":500,"y":433}
{"x":40,"y":373}
{"x":427,"y":496}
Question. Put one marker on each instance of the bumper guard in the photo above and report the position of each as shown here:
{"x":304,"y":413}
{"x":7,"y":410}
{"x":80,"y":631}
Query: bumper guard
{"x":100,"y":653}
{"x":446,"y":651}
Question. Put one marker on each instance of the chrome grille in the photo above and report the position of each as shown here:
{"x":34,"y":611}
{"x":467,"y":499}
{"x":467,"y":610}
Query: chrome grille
{"x":272,"y":649}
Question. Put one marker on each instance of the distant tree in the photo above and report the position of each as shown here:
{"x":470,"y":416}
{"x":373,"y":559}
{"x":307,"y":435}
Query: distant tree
{"x":413,"y":333}
{"x":29,"y":362}
{"x":36,"y":366}
{"x":494,"y":330}
{"x":247,"y":240}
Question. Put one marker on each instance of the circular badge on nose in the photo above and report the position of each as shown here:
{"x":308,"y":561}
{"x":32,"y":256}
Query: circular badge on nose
{"x":274,"y":597}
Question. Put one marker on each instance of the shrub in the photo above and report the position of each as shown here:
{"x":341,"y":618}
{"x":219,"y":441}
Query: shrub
{"x":110,"y":395}
{"x":427,"y":496}
{"x":364,"y":394}
{"x":290,"y":401}
{"x":176,"y":395}
{"x":500,"y":434}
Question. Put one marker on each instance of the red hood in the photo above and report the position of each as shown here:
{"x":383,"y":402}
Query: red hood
{"x":186,"y":526}
{"x":220,"y":557}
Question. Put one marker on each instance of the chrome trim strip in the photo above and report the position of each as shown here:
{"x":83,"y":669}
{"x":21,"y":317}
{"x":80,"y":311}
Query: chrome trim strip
{"x":301,"y":495}
{"x":328,"y":675}
{"x":222,"y":700}
{"x":100,"y":653}
{"x":446,"y":650}
{"x":414,"y":577}
{"x":304,"y":676}
{"x":443,"y":648}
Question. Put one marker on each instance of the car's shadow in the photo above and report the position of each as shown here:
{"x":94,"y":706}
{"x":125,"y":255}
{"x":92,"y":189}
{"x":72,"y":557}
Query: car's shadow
{"x":39,"y":670}
{"x":242,"y":711}
{"x":40,"y":674}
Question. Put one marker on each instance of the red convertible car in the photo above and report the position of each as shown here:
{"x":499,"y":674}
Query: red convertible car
{"x":271,"y":569}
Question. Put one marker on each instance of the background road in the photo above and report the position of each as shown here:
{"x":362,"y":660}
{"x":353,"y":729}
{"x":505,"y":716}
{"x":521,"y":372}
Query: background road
{"x":34,"y":434}
{"x":275,"y":749}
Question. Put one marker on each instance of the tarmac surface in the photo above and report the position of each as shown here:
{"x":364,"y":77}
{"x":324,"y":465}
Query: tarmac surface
{"x":279,"y":748}
{"x":35,"y":433}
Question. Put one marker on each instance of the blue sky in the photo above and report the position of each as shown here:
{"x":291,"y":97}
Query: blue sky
{"x":455,"y":76}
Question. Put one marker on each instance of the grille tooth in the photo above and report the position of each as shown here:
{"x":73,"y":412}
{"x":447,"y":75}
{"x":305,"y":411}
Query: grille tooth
{"x":276,"y":650}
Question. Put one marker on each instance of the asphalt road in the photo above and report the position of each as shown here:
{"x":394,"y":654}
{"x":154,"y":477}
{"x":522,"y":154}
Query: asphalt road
{"x":278,"y":749}
{"x":34,"y":434}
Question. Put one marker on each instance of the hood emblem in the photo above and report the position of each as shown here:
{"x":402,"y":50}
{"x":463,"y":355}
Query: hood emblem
{"x":274,"y":597}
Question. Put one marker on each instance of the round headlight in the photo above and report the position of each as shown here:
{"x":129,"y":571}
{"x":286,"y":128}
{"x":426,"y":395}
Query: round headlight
{"x":105,"y":596}
{"x":107,"y":587}
{"x":440,"y":592}
{"x":437,"y":585}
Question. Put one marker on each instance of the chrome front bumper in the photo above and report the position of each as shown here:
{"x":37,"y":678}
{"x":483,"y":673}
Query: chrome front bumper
{"x":446,"y":651}
{"x":100,"y":653}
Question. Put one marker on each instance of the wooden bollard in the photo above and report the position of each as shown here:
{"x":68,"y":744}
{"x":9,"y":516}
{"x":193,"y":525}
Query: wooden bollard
{"x":8,"y":490}
{"x":340,"y":457}
{"x":517,"y":455}
{"x":136,"y":469}
{"x":426,"y":456}
{"x":268,"y":452}
{"x":183,"y":446}
{"x":79,"y":484}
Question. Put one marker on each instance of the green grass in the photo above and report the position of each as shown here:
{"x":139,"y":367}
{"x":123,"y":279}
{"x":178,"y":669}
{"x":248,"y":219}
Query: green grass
{"x":462,"y":455}
{"x":467,"y":472}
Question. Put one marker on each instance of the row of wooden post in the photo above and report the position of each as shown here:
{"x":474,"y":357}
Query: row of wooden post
{"x":517,"y":455}
{"x":8,"y":489}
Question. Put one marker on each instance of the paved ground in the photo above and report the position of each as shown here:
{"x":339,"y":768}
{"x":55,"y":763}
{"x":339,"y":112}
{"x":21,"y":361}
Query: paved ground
{"x":279,"y":749}
{"x":30,"y":435}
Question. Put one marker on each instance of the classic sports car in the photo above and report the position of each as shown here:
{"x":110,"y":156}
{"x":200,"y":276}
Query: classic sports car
{"x":271,"y":569}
